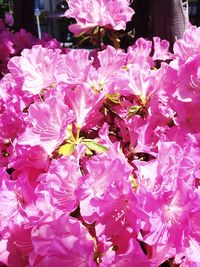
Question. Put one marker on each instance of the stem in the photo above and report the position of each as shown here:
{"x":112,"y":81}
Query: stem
{"x":78,"y":132}
{"x":99,"y":38}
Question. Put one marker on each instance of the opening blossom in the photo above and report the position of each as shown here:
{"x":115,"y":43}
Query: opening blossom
{"x":103,"y":13}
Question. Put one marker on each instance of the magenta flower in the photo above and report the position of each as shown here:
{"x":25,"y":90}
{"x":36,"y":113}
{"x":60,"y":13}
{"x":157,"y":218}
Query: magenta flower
{"x":9,"y":20}
{"x":19,"y":246}
{"x":140,"y":52}
{"x":27,"y":163}
{"x":129,"y":257}
{"x":73,"y":67}
{"x":14,"y":200}
{"x":109,"y":14}
{"x":64,"y":182}
{"x":62,"y":241}
{"x":48,"y":121}
{"x":36,"y":67}
{"x":168,"y":199}
{"x":189,"y":76}
{"x":99,"y":152}
{"x":84,"y":102}
{"x":104,"y":74}
{"x":161,"y":49}
{"x":183,"y":48}
{"x":192,"y":241}
{"x":10,"y":124}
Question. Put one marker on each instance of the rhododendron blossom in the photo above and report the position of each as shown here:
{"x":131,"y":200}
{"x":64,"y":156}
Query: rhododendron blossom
{"x":99,"y":152}
{"x":48,"y":121}
{"x":12,"y":43}
{"x":35,"y":68}
{"x":104,"y":13}
{"x":73,"y":67}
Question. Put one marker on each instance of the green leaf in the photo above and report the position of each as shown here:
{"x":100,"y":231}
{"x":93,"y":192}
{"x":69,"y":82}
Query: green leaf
{"x":88,"y":152}
{"x":95,"y":30}
{"x":133,"y":110}
{"x":133,"y":182}
{"x":94,"y":146}
{"x":67,"y":149}
{"x":114,"y":97}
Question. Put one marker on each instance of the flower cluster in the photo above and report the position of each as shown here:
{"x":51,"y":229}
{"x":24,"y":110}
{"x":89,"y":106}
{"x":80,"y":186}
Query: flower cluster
{"x":100,"y":156}
{"x":11,"y":44}
{"x":102,"y":13}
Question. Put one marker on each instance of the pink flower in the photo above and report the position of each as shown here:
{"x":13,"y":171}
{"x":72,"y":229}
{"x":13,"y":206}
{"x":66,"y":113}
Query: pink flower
{"x":61,"y":241}
{"x":6,"y":50}
{"x":9,"y":20}
{"x":188,"y":114}
{"x":109,"y":14}
{"x":119,"y":218}
{"x":168,"y":198}
{"x":84,"y":102}
{"x":134,"y":254}
{"x":130,"y":192}
{"x":109,"y":176}
{"x":5,"y":151}
{"x":28,"y":162}
{"x":14,"y":201}
{"x":22,"y":39}
{"x":64,"y":182}
{"x":110,"y":61}
{"x":188,"y":46}
{"x":19,"y":246}
{"x":139,"y":53}
{"x":48,"y":121}
{"x":161,"y":49}
{"x":10,"y":124}
{"x":104,"y":176}
{"x":189,"y":77}
{"x":169,"y":221}
{"x":36,"y":67}
{"x":48,"y":42}
{"x":3,"y":252}
{"x":73,"y":67}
